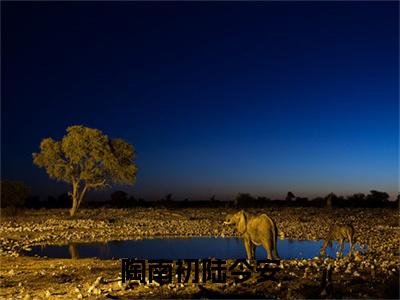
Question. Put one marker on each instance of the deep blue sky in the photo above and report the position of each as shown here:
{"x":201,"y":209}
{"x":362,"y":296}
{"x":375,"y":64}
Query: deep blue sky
{"x":217,"y":98}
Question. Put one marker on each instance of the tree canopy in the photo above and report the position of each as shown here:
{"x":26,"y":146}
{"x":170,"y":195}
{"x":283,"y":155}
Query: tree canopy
{"x":87,"y":159}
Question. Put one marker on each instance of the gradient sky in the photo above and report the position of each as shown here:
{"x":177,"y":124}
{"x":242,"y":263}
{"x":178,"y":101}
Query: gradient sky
{"x":217,"y":98}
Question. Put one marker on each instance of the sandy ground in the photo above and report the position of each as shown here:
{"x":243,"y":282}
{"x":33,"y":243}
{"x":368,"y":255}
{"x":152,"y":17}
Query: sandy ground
{"x":373,"y":274}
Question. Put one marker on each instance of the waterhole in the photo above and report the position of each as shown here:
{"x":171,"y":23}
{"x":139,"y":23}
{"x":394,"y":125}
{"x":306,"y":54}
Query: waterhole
{"x":183,"y":248}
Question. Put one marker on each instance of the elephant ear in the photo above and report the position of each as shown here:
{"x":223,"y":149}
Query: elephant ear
{"x":242,"y":224}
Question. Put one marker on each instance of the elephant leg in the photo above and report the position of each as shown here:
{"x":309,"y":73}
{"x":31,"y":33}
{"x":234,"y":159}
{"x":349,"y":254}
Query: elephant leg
{"x":267,"y":245}
{"x":322,"y":252}
{"x":247,"y":244}
{"x":351,"y":244}
{"x":341,"y":248}
{"x":253,"y":251}
{"x":276,"y":250}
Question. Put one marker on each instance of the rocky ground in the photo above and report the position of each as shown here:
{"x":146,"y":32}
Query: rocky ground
{"x":371,"y":274}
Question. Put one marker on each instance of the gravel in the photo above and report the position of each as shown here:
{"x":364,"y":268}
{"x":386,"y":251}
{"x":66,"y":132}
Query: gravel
{"x":361,"y":275}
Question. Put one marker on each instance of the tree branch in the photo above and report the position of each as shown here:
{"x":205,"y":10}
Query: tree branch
{"x":96,"y":185}
{"x":82,"y":194}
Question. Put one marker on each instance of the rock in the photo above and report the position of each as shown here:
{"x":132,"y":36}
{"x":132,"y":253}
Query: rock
{"x":93,"y":289}
{"x":96,"y":291}
{"x":117,"y":286}
{"x":98,"y":280}
{"x":348,"y":271}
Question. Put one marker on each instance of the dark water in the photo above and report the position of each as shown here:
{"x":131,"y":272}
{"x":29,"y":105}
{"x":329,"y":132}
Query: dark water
{"x":177,"y":248}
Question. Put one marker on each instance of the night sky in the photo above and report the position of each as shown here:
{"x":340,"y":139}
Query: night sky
{"x":217,"y":98}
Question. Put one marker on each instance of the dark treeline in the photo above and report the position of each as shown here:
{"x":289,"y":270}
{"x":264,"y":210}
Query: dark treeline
{"x":16,"y":195}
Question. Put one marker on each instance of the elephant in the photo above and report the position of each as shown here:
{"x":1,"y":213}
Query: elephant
{"x":255,"y":231}
{"x":338,"y":233}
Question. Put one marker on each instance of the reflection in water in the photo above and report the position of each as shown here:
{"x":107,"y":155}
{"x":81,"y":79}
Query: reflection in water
{"x":73,"y":251}
{"x":165,"y":248}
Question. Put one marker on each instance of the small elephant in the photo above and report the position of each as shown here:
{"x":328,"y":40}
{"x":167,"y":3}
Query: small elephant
{"x":255,"y":231}
{"x":339,"y":233}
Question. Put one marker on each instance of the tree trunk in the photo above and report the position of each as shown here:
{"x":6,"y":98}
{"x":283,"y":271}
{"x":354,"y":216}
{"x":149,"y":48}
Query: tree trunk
{"x":74,"y":208}
{"x":77,"y":198}
{"x":75,"y":201}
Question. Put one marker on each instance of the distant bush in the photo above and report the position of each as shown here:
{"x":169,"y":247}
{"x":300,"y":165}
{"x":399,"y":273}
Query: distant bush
{"x":119,"y":199}
{"x":290,"y":196}
{"x":13,"y":194}
{"x":243,"y":200}
{"x":376,"y":198}
{"x":33,"y":202}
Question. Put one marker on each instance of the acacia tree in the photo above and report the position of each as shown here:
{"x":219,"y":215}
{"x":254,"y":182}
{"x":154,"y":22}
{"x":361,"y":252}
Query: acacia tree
{"x":87,"y":159}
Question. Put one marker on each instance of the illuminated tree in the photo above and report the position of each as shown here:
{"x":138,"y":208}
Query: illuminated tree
{"x":87,"y":159}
